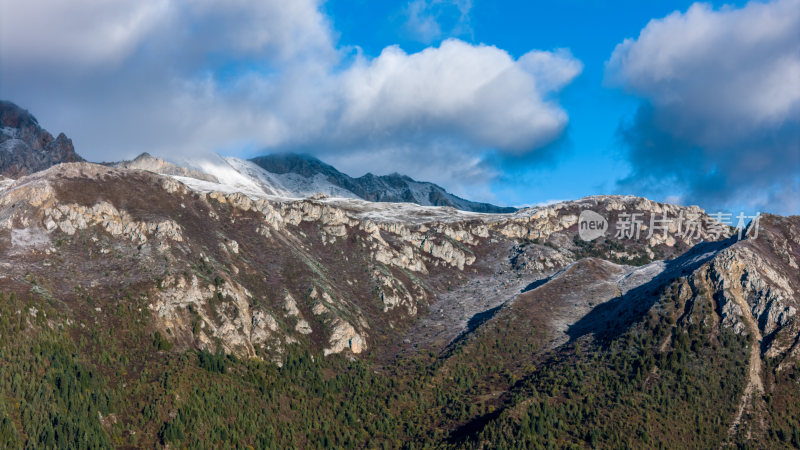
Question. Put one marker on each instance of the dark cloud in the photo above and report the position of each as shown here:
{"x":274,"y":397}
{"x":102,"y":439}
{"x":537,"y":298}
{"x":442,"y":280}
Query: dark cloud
{"x":754,"y":172}
{"x":720,"y":121}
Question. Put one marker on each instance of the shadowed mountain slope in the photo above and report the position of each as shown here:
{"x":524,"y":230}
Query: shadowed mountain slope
{"x":25,"y":147}
{"x":384,"y":188}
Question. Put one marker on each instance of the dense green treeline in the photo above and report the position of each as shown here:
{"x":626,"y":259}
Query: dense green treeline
{"x":67,"y":384}
{"x":49,"y":398}
{"x":625,"y":395}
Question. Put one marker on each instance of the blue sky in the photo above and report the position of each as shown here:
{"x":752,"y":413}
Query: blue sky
{"x":510,"y":102}
{"x":591,"y":159}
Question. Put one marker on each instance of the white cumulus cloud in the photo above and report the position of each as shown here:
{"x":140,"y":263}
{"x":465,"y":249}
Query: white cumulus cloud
{"x":475,"y":93}
{"x":182,"y":78}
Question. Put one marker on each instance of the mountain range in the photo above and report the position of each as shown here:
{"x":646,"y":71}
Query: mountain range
{"x":148,"y":304}
{"x":27,"y":148}
{"x":384,"y":188}
{"x":290,"y":175}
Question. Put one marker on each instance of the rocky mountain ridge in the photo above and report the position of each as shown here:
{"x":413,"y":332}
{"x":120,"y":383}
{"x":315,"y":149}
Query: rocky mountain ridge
{"x":385,"y":188}
{"x":409,"y":254}
{"x":504,"y":328}
{"x":145,"y":161}
{"x":25,"y":147}
{"x":256,"y":277}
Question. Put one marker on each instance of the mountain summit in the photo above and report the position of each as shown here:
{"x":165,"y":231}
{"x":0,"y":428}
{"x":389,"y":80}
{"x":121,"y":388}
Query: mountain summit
{"x":376,"y":188}
{"x":25,"y":147}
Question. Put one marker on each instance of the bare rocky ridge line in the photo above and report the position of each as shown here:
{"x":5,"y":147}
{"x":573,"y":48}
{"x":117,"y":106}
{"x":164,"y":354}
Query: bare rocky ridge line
{"x":145,"y":161}
{"x":399,"y":238}
{"x":286,"y":169}
{"x":431,"y":243}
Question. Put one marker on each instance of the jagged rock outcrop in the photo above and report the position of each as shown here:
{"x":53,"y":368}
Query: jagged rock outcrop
{"x":25,"y":147}
{"x":71,"y":217}
{"x":344,"y":336}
